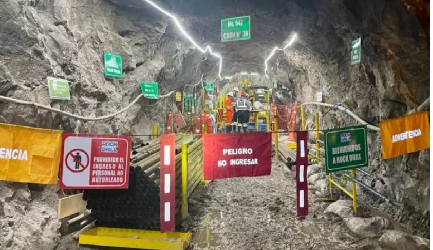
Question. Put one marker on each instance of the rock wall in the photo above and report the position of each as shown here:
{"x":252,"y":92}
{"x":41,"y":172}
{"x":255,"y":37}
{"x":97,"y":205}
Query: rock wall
{"x":392,"y":78}
{"x":66,"y":39}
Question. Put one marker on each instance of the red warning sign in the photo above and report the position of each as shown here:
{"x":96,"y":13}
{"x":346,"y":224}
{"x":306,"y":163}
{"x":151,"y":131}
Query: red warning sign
{"x":95,"y":161}
{"x":77,"y":160}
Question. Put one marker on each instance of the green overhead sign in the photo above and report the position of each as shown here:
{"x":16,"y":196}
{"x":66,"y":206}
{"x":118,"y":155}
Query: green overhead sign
{"x":209,"y":87}
{"x":355,"y":55}
{"x":58,"y":89}
{"x":346,"y":148}
{"x":112,"y":65}
{"x":149,"y":90}
{"x":235,"y":29}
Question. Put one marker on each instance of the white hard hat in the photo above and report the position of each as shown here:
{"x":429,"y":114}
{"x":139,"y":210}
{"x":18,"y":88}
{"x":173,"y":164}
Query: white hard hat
{"x":236,"y":89}
{"x":230,"y":93}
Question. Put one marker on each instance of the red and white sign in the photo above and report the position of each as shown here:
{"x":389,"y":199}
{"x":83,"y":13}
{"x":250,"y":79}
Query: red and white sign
{"x":167,"y":180}
{"x":95,"y":161}
{"x":301,"y":173}
{"x":236,"y":155}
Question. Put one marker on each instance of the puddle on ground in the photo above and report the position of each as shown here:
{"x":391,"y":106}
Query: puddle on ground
{"x":204,"y":237}
{"x":311,"y":230}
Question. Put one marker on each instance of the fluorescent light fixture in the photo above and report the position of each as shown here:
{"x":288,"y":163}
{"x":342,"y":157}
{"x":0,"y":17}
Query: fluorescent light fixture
{"x":243,"y":73}
{"x":357,"y":44}
{"x":228,"y":77}
{"x":254,"y":74}
{"x":179,"y":26}
{"x":294,"y":36}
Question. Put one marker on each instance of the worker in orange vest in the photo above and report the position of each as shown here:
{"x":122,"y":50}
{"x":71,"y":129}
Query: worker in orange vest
{"x":229,"y":111}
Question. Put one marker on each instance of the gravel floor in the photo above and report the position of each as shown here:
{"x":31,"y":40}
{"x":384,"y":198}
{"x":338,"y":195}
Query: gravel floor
{"x":258,"y":213}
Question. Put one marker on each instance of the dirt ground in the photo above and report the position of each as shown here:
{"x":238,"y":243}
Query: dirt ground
{"x":259,"y":213}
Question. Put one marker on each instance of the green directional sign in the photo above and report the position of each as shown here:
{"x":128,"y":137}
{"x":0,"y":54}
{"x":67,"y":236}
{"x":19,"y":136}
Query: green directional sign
{"x":355,"y":55}
{"x":346,"y":148}
{"x":149,"y":90}
{"x":112,"y":65}
{"x":58,"y":89}
{"x":209,"y":87}
{"x":274,"y":84}
{"x":235,"y":29}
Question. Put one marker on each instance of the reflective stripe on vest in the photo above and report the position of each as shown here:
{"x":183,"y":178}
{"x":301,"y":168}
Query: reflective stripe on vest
{"x":243,"y":106}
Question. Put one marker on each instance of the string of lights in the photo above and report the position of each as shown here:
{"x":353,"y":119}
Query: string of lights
{"x":183,"y":31}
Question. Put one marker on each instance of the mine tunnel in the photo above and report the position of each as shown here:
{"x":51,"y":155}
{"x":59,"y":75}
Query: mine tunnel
{"x":214,"y":124}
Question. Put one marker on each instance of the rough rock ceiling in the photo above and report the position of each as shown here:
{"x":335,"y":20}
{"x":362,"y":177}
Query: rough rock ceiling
{"x":325,"y":30}
{"x":421,"y":9}
{"x":272,"y":24}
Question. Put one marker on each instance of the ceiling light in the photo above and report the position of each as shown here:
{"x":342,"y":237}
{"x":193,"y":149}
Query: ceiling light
{"x":294,"y":36}
{"x":179,"y":26}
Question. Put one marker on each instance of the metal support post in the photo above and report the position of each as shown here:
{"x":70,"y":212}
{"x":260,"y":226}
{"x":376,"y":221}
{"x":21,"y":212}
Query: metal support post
{"x":155,"y":131}
{"x":204,"y":128}
{"x":354,"y":194}
{"x":184,"y":206}
{"x":317,"y":127}
{"x":276,"y":139}
{"x":302,"y":118}
{"x":330,"y":187}
{"x":203,"y":100}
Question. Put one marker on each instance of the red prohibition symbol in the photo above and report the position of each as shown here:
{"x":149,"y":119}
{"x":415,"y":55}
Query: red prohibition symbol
{"x":78,"y":159}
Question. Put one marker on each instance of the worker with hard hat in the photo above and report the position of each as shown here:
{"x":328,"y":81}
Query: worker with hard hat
{"x":236,"y":91}
{"x":228,"y":103}
{"x":234,"y":99}
{"x":243,"y":109}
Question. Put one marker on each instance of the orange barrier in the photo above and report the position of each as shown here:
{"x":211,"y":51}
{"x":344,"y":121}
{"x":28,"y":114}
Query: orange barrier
{"x":292,"y":122}
{"x":179,"y":120}
{"x":207,"y":124}
{"x":203,"y":124}
{"x":169,"y":124}
{"x":273,"y":110}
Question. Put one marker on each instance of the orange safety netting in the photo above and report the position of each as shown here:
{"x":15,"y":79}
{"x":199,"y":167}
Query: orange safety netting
{"x":179,"y":120}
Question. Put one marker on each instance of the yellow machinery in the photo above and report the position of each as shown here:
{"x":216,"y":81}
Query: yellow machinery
{"x":245,"y":84}
{"x":221,"y":106}
{"x":263,"y":114}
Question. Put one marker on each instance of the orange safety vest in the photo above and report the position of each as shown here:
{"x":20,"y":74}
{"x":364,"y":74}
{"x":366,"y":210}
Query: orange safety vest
{"x":229,"y":111}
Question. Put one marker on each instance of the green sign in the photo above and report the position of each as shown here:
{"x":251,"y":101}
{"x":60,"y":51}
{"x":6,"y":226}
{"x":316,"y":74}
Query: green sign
{"x":150,"y":90}
{"x":274,"y":84}
{"x":355,"y":55}
{"x":188,"y":103}
{"x":58,"y":89}
{"x":209,"y":87}
{"x":235,"y":29}
{"x":113,"y":65}
{"x":346,"y":148}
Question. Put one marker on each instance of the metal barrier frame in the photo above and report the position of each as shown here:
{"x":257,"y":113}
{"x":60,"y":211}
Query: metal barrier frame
{"x":319,"y":148}
{"x":186,"y":141}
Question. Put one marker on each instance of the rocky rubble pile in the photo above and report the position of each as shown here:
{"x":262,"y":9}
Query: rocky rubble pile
{"x":372,"y":231}
{"x":28,"y":216}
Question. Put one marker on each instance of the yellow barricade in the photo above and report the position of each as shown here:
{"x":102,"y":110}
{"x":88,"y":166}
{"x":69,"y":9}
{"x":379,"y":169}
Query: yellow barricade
{"x":319,"y":159}
{"x":29,"y":155}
